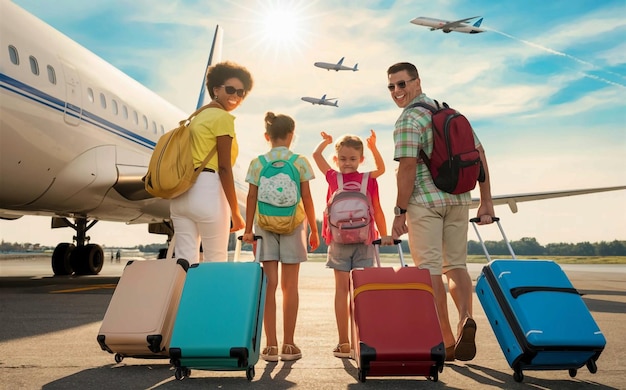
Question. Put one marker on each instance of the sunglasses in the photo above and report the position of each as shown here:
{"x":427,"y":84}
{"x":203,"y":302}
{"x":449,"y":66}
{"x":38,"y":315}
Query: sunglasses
{"x":231,"y":90}
{"x":401,"y":84}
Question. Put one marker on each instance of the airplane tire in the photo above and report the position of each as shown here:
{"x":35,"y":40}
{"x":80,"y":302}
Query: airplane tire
{"x":61,"y":259}
{"x":87,"y":260}
{"x":78,"y":260}
{"x":95,"y":259}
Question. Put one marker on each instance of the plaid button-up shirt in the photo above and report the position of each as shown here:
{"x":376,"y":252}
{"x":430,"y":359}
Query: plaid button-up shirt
{"x":413,"y":131}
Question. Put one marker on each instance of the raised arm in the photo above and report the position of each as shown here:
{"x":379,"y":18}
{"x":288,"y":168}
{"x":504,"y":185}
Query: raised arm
{"x":378,"y":159}
{"x":320,"y":161}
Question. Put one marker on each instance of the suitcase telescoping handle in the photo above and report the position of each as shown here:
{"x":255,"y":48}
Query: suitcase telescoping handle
{"x":506,"y":240}
{"x":377,"y":243}
{"x":257,"y":253}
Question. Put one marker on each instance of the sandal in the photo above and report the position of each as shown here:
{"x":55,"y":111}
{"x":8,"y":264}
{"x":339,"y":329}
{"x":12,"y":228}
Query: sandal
{"x":290,"y":352}
{"x":342,"y":351}
{"x":465,"y":348}
{"x":270,"y":354}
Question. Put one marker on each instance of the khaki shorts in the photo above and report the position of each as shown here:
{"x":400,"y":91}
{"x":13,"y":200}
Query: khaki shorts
{"x":346,"y":257}
{"x":287,"y":248}
{"x":438,"y":237}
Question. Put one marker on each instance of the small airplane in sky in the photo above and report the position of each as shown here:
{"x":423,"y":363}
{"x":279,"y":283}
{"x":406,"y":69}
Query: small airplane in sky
{"x":336,"y":67}
{"x":323,"y":101}
{"x":446,"y":26}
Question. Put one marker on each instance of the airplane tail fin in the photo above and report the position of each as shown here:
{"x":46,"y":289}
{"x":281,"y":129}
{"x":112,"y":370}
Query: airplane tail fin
{"x":478,"y":22}
{"x":215,"y":55}
{"x":341,"y":61}
{"x":356,"y":67}
{"x":336,"y":103}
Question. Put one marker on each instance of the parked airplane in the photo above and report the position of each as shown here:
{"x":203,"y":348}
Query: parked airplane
{"x":446,"y":26}
{"x":77,"y":134}
{"x":336,"y":67}
{"x":323,"y":101}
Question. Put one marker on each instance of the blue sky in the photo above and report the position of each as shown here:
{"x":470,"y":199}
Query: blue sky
{"x":544,"y":87}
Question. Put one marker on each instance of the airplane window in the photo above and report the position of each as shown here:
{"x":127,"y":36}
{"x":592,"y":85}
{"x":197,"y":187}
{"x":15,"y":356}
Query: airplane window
{"x":136,"y":117}
{"x":154,"y":128}
{"x":125,"y":111}
{"x":103,"y":101}
{"x":90,"y":94}
{"x":114,"y":106}
{"x":34,"y":66}
{"x":15,"y":58}
{"x":145,"y":122}
{"x":52,"y":76}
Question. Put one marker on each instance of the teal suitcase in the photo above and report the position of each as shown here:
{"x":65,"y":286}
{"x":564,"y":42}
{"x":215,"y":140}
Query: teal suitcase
{"x":220,"y":318}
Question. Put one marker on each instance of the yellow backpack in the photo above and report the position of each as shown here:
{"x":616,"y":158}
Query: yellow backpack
{"x":171,"y":171}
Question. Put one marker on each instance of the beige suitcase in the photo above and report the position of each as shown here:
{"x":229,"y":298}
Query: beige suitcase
{"x":140,"y":317}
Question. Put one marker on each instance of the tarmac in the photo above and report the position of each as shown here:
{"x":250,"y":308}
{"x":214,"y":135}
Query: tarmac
{"x":49,"y":325}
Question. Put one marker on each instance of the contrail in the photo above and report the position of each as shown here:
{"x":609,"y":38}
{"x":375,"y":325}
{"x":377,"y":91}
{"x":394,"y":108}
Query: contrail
{"x":558,"y":53}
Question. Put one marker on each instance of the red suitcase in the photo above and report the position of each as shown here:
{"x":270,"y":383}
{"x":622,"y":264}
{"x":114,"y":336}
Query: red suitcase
{"x":395,"y":329}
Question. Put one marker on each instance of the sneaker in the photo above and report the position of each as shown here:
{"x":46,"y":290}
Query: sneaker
{"x":290,"y":352}
{"x":465,"y":348}
{"x":343,"y":351}
{"x":270,"y":354}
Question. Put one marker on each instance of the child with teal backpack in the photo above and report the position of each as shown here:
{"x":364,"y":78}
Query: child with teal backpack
{"x":279,"y":207}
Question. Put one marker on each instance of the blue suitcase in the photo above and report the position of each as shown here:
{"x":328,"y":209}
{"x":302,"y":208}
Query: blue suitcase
{"x":538,"y":317}
{"x":220,"y":318}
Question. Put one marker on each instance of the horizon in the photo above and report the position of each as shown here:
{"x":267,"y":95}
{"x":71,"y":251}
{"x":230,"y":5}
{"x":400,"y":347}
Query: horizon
{"x":544,"y":87}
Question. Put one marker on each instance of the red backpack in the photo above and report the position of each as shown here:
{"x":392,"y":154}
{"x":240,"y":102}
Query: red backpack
{"x":455,"y":163}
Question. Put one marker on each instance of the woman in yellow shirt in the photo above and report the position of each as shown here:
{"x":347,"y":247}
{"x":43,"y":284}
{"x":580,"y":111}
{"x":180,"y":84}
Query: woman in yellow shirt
{"x":209,"y":211}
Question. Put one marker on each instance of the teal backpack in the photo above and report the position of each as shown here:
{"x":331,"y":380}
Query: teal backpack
{"x":278,"y":197}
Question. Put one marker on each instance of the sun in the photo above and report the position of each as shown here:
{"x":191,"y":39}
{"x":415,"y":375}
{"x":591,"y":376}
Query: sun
{"x":283,"y":27}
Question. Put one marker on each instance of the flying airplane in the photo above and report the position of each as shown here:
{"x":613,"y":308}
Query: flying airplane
{"x":76,"y":135}
{"x":323,"y":101}
{"x":446,"y":26}
{"x":336,"y":67}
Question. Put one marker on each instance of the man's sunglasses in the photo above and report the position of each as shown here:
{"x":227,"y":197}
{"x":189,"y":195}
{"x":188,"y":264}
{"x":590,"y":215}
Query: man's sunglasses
{"x":401,"y":84}
{"x":230,"y":90}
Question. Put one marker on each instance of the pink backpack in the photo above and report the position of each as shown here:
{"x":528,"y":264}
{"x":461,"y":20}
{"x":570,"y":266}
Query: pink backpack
{"x":349,"y":213}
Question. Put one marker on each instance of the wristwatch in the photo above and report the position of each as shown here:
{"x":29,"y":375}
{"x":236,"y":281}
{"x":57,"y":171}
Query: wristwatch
{"x":398,"y":211}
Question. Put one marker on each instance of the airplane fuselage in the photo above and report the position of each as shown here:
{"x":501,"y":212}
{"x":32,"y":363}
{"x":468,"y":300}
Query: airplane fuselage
{"x":438,"y":24}
{"x":68,"y":139}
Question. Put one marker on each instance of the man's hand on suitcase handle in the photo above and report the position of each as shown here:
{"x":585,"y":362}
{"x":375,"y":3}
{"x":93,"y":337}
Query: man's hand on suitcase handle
{"x":484,"y":219}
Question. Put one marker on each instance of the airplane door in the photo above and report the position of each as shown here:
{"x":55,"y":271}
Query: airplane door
{"x":73,"y":95}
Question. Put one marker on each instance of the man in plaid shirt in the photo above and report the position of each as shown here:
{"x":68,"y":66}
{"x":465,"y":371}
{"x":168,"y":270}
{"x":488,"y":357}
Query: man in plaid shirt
{"x":436,"y":221}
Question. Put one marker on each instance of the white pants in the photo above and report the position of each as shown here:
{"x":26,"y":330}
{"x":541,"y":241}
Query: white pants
{"x":202,"y":213}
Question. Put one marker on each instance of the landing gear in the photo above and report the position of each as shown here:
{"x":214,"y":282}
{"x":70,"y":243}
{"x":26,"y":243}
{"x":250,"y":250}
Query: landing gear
{"x":80,"y":259}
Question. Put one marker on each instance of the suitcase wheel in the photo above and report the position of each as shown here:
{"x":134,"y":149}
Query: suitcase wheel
{"x":434,"y":374}
{"x":118,"y":358}
{"x":250,"y":373}
{"x":591,"y":366}
{"x":518,"y":376}
{"x":182,"y":373}
{"x":573,"y":372}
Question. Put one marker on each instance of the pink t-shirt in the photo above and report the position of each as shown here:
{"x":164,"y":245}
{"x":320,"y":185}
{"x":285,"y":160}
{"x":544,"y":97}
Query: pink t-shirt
{"x":350,"y":181}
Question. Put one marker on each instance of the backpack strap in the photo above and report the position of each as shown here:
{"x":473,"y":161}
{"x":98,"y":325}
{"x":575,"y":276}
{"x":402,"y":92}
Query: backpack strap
{"x":339,"y":181}
{"x":364,"y":180}
{"x":432,"y":110}
{"x":197,"y":171}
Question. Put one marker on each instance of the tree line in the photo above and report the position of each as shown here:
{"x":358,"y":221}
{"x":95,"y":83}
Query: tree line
{"x":527,"y":246}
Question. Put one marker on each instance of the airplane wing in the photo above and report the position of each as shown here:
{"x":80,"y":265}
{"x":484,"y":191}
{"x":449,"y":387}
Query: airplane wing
{"x":512,"y":200}
{"x":456,"y":23}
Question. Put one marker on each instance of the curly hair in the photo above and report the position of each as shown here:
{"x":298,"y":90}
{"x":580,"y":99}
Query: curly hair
{"x":217,"y":74}
{"x":278,"y":126}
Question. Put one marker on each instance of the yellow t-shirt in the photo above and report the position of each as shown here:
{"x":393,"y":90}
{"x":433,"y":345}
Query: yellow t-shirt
{"x":205,"y":127}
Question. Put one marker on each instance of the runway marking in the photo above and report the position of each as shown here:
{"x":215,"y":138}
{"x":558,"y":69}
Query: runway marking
{"x":89,"y":288}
